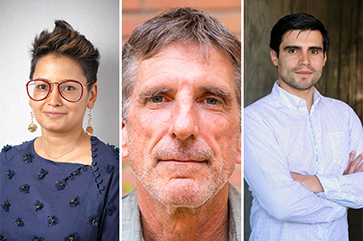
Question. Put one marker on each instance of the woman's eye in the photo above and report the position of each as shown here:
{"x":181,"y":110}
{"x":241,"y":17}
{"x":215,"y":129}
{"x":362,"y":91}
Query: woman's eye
{"x":42,"y":87}
{"x":68,"y":88}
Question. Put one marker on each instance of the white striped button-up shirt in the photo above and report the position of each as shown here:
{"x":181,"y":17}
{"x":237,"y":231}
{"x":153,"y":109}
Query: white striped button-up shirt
{"x":281,"y":136}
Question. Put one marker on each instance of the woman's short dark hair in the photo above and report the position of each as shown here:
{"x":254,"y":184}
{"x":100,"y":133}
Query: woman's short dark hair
{"x":64,"y":41}
{"x":297,"y":21}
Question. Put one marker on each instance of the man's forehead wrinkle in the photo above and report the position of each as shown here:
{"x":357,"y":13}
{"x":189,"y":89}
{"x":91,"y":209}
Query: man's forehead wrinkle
{"x":203,"y":49}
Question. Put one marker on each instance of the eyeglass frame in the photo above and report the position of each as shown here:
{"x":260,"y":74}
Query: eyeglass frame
{"x":58,"y":83}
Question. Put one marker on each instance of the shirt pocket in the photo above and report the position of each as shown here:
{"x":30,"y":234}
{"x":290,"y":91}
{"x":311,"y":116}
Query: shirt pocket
{"x":340,"y":149}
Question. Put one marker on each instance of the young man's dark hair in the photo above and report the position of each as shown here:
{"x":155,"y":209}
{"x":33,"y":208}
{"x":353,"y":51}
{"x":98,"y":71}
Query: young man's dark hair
{"x":296,"y":21}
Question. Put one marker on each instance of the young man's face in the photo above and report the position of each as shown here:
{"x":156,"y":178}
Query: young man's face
{"x":301,"y":60}
{"x":183,"y":130}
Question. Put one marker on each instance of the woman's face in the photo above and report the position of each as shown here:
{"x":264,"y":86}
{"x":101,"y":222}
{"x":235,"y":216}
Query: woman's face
{"x":54,"y":113}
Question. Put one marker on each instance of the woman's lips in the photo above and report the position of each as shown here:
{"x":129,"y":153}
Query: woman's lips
{"x":54,"y":114}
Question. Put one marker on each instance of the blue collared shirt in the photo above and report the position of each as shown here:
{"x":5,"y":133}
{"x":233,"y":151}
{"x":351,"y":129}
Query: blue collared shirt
{"x":281,"y":136}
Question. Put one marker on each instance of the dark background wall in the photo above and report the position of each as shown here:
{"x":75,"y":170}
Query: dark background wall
{"x":342,"y":77}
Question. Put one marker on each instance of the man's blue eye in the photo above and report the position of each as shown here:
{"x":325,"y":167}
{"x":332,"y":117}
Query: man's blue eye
{"x":211,"y":101}
{"x":157,"y":99}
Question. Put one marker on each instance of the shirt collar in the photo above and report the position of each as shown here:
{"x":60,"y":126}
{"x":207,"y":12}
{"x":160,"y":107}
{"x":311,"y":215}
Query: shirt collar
{"x":234,"y":206}
{"x":293,"y":101}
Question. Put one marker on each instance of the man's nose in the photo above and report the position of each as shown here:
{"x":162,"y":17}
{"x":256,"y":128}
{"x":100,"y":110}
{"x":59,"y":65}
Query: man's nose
{"x":304,"y":59}
{"x":184,"y":121}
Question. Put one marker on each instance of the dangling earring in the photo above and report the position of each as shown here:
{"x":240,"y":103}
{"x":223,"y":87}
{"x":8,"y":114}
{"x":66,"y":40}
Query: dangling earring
{"x":89,"y":128}
{"x":32,"y":127}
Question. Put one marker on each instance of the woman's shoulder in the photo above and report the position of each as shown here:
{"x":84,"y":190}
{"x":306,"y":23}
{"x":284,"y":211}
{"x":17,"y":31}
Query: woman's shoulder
{"x":105,"y":165}
{"x":106,"y":151}
{"x":8,"y":152}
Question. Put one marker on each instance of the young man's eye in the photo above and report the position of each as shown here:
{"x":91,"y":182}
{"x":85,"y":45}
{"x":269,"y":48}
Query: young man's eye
{"x":292,"y":51}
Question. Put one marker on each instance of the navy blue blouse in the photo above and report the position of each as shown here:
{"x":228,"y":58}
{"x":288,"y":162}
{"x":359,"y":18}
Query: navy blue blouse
{"x":42,"y":200}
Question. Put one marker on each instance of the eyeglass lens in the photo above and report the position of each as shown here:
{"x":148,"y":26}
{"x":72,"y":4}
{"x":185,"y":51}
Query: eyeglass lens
{"x":70,"y":90}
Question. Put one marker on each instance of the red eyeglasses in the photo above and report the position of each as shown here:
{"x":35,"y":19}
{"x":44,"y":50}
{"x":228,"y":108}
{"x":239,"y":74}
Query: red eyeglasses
{"x":70,"y":90}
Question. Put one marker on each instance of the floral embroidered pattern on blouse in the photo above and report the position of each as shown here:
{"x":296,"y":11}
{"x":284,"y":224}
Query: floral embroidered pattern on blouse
{"x":38,"y":206}
{"x":5,"y":205}
{"x":109,"y":168}
{"x":52,"y":220}
{"x":109,"y":208}
{"x":74,"y":202}
{"x":6,"y":148}
{"x":42,"y":174}
{"x":19,"y":222}
{"x":10,"y":174}
{"x":94,"y":220}
{"x":36,"y":238}
{"x":71,"y":237}
{"x":24,"y":188}
{"x":28,"y":158}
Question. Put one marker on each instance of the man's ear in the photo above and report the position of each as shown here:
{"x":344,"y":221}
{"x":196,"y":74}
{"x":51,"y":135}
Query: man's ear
{"x":325,"y":58}
{"x":274,"y":57}
{"x":239,"y":154}
{"x":125,"y":151}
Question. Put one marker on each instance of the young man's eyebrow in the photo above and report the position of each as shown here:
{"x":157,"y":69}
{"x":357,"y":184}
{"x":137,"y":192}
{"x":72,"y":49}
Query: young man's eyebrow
{"x":292,"y":47}
{"x":299,"y":47}
{"x":316,"y":48}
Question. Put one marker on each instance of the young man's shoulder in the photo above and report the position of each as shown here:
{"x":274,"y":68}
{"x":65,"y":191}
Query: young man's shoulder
{"x":265,"y":104}
{"x":335,"y":104}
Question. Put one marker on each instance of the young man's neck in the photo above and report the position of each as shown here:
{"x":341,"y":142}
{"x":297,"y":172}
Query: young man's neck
{"x":307,"y":95}
{"x":207,"y":222}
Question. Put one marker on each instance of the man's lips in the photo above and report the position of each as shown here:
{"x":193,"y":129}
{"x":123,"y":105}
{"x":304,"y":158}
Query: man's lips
{"x":52,"y":114}
{"x":182,"y":161}
{"x":184,"y":168}
{"x":304,"y":72}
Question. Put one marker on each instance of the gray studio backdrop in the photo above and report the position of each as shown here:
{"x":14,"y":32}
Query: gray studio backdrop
{"x":20,"y":21}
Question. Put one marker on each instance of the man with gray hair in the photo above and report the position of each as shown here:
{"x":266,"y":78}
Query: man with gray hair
{"x":181,"y":86}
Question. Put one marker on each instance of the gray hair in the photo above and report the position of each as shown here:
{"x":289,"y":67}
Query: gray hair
{"x":187,"y":25}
